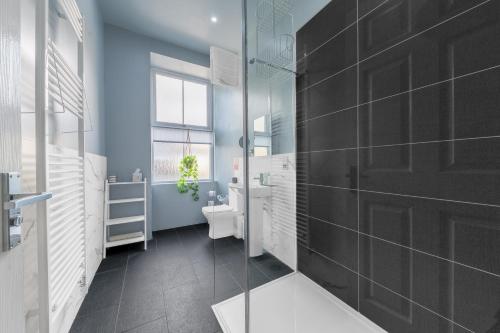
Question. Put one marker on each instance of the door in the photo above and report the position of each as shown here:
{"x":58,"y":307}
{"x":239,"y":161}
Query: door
{"x":11,"y":262}
{"x":19,"y":271}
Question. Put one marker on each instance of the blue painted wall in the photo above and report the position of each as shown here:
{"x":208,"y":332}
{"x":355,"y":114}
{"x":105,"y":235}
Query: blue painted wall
{"x":128,"y":133}
{"x":228,"y":127}
{"x":172,"y":209}
{"x":95,"y":141}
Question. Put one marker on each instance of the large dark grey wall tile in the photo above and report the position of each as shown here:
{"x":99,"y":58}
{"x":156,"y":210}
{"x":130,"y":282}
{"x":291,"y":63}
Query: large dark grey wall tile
{"x":463,"y":108}
{"x":366,"y":6}
{"x":457,"y":47}
{"x":411,"y":128}
{"x":467,"y":295}
{"x":335,"y":278}
{"x":328,"y":168}
{"x":336,"y":93}
{"x":334,"y":242}
{"x":331,"y":20}
{"x":397,"y":314}
{"x":337,"y":130}
{"x":336,"y":55}
{"x":463,"y":170}
{"x":397,"y":20}
{"x":465,"y":233}
{"x":338,"y":206}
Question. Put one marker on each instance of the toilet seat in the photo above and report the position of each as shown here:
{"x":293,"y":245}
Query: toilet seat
{"x":217,"y":209}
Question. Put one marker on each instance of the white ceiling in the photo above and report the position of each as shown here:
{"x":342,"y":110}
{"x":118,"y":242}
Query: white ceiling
{"x":183,"y":22}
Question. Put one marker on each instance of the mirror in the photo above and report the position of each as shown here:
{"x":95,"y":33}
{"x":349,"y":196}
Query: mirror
{"x":262,"y":137}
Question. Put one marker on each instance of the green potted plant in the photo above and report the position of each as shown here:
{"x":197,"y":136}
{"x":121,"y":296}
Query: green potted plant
{"x":188,"y":181}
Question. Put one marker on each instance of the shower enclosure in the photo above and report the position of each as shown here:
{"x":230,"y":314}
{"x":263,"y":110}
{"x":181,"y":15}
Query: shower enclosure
{"x":371,"y":167}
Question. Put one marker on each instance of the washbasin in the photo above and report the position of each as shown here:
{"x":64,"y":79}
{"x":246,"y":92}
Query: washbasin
{"x":256,"y":191}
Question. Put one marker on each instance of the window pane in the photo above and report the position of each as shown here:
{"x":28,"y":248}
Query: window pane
{"x":167,"y":157}
{"x":202,"y":153}
{"x":168,"y":99}
{"x":195,"y":104}
{"x":259,"y":124}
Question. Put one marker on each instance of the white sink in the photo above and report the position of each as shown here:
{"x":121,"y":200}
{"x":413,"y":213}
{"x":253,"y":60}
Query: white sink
{"x":256,"y":191}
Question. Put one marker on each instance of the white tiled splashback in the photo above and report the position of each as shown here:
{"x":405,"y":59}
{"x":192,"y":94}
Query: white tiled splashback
{"x":279,"y":228}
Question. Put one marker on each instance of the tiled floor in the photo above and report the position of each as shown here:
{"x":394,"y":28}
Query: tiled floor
{"x":170,"y":287}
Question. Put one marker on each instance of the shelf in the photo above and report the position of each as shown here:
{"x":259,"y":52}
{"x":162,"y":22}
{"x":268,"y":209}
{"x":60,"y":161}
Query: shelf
{"x":119,"y":201}
{"x":134,"y":237}
{"x":140,"y":220}
{"x":124,"y":220}
{"x":126,"y":183}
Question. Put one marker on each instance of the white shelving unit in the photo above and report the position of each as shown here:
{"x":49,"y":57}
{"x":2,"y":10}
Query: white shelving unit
{"x":123,"y":239}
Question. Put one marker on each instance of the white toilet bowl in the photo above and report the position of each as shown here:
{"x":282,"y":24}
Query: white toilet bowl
{"x":226,"y":220}
{"x":222,"y":221}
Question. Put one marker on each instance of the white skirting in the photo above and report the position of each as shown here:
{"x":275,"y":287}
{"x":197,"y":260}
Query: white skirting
{"x":292,"y":304}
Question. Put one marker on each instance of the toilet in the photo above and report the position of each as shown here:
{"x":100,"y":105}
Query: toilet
{"x":226,"y":220}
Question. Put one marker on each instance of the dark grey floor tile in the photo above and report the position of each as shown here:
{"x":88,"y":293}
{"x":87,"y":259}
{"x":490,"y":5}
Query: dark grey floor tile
{"x":229,"y":255}
{"x":195,"y":316}
{"x":156,"y":326}
{"x":216,"y":281}
{"x":114,"y":261}
{"x":177,"y":274}
{"x":104,"y":292}
{"x":139,"y":306}
{"x":144,"y":268}
{"x":188,"y":236}
{"x":171,"y":285}
{"x":102,"y":321}
{"x":166,"y":237}
{"x":255,"y":276}
{"x":271,"y":266}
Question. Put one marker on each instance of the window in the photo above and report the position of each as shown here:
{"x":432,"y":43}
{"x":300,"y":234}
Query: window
{"x":181,"y":110}
{"x":181,"y":113}
{"x":180,"y":102}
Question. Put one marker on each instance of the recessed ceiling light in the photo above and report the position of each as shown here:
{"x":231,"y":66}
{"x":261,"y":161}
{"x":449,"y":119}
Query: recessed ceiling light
{"x":213,"y":19}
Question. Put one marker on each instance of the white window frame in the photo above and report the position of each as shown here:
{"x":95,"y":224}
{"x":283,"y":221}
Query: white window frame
{"x":183,"y":77}
{"x":155,"y":123}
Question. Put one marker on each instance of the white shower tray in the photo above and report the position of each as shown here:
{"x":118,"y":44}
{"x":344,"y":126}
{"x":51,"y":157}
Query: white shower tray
{"x":292,"y":304}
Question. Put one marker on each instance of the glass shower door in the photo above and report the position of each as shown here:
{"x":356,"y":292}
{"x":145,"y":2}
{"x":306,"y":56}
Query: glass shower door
{"x":276,"y":227}
{"x":272,"y":244}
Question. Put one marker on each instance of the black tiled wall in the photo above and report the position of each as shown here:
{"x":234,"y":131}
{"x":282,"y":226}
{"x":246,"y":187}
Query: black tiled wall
{"x":398,"y":159}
